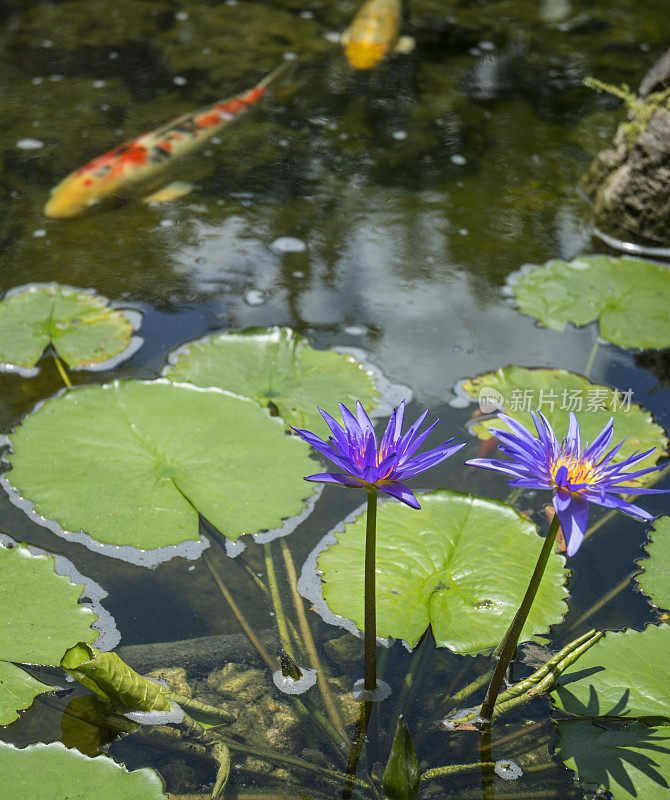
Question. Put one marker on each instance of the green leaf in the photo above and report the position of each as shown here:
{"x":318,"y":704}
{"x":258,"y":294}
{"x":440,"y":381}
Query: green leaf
{"x":112,"y":679}
{"x":401,"y":776}
{"x":81,"y":326}
{"x":18,"y":689}
{"x":276,"y":367}
{"x":460,"y":564}
{"x":32,"y":631}
{"x":544,"y":387}
{"x":134,"y":462}
{"x":52,"y":772}
{"x":626,"y":674}
{"x":655,"y":580}
{"x":633,"y":763}
{"x":628,"y":296}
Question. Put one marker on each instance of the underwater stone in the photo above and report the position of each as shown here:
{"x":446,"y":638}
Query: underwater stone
{"x":344,"y":651}
{"x":174,"y":677}
{"x":244,"y":685}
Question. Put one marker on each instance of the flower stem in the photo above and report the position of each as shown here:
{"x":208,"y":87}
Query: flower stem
{"x":370,"y":681}
{"x":509,"y":642}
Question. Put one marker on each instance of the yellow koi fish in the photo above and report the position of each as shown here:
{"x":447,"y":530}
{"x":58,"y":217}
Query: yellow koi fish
{"x":373,"y":33}
{"x":134,"y":166}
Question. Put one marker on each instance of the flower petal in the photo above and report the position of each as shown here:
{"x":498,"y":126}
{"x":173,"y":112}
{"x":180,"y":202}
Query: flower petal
{"x":574,"y":518}
{"x":400,"y":492}
{"x":334,"y":477}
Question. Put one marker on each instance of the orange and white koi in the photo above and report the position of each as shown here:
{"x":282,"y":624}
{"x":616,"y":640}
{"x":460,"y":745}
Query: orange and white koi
{"x":136,"y":165}
{"x":373,"y":33}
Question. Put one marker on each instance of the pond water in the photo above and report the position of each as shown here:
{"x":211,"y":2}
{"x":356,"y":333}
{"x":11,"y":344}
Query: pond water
{"x":377,"y":211}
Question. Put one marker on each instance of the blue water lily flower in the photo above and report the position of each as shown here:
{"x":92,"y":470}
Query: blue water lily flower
{"x":578,"y":476}
{"x":367,"y":464}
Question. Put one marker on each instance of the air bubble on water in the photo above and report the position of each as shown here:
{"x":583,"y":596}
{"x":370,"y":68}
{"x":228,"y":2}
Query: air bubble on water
{"x":166,"y":223}
{"x":356,"y":330}
{"x":288,"y":244}
{"x":179,"y":80}
{"x":29,"y":144}
{"x":332,"y":36}
{"x":37,"y":81}
{"x":486,"y":45}
{"x":39,"y":233}
{"x":99,"y":84}
{"x":298,"y":274}
{"x":463,"y":231}
{"x":254,"y":297}
{"x":306,"y":14}
{"x":181,"y":15}
{"x":111,"y":56}
{"x":457,"y":159}
{"x":399,"y":136}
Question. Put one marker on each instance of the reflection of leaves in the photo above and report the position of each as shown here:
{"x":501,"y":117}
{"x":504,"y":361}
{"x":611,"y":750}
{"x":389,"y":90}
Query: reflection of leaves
{"x":631,"y":761}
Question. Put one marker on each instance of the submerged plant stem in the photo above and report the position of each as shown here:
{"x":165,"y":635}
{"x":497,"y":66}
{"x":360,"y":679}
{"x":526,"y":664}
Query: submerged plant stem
{"x":370,"y":680}
{"x":357,"y":747}
{"x":62,"y":371}
{"x":511,"y":638}
{"x":308,"y":641}
{"x":592,"y":358}
{"x":276,"y":601}
{"x":238,"y":614}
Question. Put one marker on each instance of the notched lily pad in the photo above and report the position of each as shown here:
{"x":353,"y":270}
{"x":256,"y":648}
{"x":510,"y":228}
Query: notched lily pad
{"x":632,"y":762}
{"x":135,"y":462}
{"x":277,"y":368}
{"x":655,"y":580}
{"x":460,"y":564}
{"x":628,"y":297}
{"x":81,"y":327}
{"x":556,"y":392}
{"x":53,"y":771}
{"x":32,"y":631}
{"x":625,"y":674}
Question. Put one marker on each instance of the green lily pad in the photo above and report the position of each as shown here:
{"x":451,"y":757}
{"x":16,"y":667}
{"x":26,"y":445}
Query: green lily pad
{"x":633,"y":763}
{"x":276,"y":367}
{"x":628,"y":297}
{"x":52,"y":772}
{"x":556,"y":392}
{"x":32,"y":631}
{"x":460,"y":564}
{"x":655,"y":580}
{"x":625,"y":674}
{"x":135,"y":462}
{"x":80,"y":326}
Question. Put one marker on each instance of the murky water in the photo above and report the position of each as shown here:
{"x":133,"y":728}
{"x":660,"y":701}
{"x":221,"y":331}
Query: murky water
{"x":408,"y":195}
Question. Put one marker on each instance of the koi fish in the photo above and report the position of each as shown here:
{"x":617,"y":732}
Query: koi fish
{"x":137,"y":165}
{"x":373,"y":33}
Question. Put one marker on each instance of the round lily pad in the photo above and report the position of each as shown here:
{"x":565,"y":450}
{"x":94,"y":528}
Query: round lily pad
{"x":275,"y":367}
{"x":556,"y":392}
{"x":633,"y":762}
{"x":655,"y":580}
{"x":80,"y":325}
{"x":32,"y":631}
{"x":625,"y":674}
{"x":628,"y":297}
{"x":52,"y":771}
{"x":460,"y":564}
{"x":135,"y":462}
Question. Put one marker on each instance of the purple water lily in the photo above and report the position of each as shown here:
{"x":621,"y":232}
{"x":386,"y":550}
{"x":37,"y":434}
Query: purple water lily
{"x":578,"y":476}
{"x":353,"y":447}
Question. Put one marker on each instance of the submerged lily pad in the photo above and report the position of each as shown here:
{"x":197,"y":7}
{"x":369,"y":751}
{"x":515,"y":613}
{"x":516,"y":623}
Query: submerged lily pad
{"x":275,"y":367}
{"x":32,"y":631}
{"x":460,"y":564}
{"x":556,"y":392}
{"x":52,"y":771}
{"x":135,"y":462}
{"x":633,"y":762}
{"x":628,"y":297}
{"x":80,"y":326}
{"x":625,"y":674}
{"x":655,"y":580}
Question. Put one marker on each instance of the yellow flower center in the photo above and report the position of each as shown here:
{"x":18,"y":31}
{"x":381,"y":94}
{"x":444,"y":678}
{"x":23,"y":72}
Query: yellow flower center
{"x":578,"y":471}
